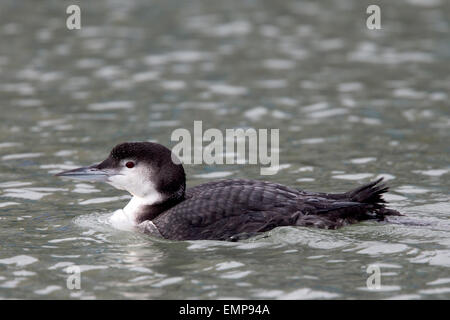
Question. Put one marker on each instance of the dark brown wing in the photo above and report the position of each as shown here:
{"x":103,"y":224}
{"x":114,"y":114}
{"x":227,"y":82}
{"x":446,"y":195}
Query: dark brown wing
{"x":194,"y":191}
{"x":223,"y":209}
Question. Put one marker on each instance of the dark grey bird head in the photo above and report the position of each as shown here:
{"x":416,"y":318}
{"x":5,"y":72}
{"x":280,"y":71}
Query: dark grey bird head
{"x":145,"y":169}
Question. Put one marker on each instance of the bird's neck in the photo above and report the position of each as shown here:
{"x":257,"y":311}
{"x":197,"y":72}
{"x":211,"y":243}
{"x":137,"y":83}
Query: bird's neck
{"x":140,"y":209}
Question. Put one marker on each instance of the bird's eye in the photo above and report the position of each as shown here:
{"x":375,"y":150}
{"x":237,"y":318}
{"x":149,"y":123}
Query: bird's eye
{"x":129,"y":164}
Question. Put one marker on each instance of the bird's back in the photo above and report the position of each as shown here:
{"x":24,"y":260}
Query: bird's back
{"x":231,"y":209}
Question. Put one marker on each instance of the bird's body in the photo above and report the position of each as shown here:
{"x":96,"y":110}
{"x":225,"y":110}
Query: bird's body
{"x":230,"y":209}
{"x":235,"y":209}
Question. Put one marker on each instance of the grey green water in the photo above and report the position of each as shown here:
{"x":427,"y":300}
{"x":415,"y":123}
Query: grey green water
{"x":351,"y":104}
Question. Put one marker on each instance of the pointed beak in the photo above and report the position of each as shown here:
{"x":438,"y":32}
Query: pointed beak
{"x":91,"y":173}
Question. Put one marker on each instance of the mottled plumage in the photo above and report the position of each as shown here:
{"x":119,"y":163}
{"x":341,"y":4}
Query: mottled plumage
{"x":232,"y":209}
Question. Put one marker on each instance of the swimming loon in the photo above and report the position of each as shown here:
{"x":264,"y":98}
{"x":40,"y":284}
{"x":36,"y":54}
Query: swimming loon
{"x":230,"y":209}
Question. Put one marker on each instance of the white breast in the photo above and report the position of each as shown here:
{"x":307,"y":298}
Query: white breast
{"x":122,"y":221}
{"x":127,"y":218}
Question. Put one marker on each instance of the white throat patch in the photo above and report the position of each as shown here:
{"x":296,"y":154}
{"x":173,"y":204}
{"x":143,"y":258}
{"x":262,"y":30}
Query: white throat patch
{"x":127,"y":218}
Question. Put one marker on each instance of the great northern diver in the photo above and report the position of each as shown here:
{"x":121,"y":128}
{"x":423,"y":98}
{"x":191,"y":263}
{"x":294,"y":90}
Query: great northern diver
{"x":230,"y":209}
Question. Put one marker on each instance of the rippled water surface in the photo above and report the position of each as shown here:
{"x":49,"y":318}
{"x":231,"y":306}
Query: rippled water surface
{"x":351,"y":104}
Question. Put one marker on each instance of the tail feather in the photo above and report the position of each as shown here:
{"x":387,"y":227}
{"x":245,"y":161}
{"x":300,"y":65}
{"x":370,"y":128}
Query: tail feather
{"x":371,"y":193}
